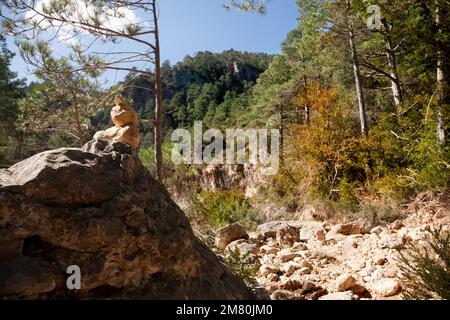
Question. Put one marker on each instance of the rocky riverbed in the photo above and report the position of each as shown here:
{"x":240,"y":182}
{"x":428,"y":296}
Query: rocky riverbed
{"x":318,"y":260}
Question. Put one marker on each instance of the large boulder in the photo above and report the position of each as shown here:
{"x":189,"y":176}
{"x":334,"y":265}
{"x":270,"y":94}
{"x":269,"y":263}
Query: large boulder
{"x":98,"y":208}
{"x":230,"y":233}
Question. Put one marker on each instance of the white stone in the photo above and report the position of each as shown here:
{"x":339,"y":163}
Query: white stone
{"x":268,"y":249}
{"x":377,"y":230}
{"x":268,"y":269}
{"x":386,"y":287}
{"x":348,"y":295}
{"x":290,"y":267}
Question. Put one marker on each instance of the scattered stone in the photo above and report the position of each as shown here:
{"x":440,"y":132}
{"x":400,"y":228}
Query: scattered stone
{"x":270,"y":229}
{"x":345,"y":282}
{"x":387,"y":287}
{"x":308,"y":286}
{"x":350,"y":258}
{"x":348,"y":229}
{"x":230,"y":233}
{"x":290,"y":268}
{"x":392,"y":242}
{"x":272,"y":277}
{"x":299,"y":246}
{"x":291,"y":285}
{"x":282,"y":295}
{"x":320,"y":235}
{"x":303,"y":271}
{"x":306,"y":264}
{"x":267,"y":269}
{"x":348,"y":295}
{"x":397,"y":225}
{"x":287,"y":236}
{"x":379,"y":260}
{"x":267,"y":249}
{"x":309,"y":229}
{"x":286,"y":255}
{"x":245,"y":248}
{"x":377,"y":230}
{"x":361,"y":292}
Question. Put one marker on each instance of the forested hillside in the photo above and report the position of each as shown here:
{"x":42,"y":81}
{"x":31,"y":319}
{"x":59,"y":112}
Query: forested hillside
{"x":364,"y":110}
{"x":212,"y":87}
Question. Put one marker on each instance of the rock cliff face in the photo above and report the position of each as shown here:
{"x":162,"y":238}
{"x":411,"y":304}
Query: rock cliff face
{"x":225,"y":177}
{"x":100,"y":209}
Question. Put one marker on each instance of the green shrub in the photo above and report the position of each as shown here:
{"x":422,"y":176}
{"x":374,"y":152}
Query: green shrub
{"x":219,"y":208}
{"x":426,"y":270}
{"x":347,"y":200}
{"x":243,"y":266}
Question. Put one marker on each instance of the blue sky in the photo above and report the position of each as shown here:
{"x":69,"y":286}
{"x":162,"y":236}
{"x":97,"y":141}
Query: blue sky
{"x":189,"y":26}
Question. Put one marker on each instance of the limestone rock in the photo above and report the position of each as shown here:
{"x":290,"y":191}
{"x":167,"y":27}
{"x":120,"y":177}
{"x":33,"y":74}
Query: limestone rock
{"x":286,"y":255}
{"x":291,"y":285}
{"x":100,"y":209}
{"x":308,"y":286}
{"x":270,"y":229}
{"x":128,"y":134}
{"x":267,"y":269}
{"x":282,"y":295}
{"x":345,"y":282}
{"x":347,"y":229}
{"x":391,"y":242}
{"x":309,"y":229}
{"x":377,"y":230}
{"x":243,"y":246}
{"x":268,"y":249}
{"x":287,"y":236}
{"x":230,"y":233}
{"x":348,"y":295}
{"x":361,"y":292}
{"x":290,"y":267}
{"x":123,"y":114}
{"x":386,"y":287}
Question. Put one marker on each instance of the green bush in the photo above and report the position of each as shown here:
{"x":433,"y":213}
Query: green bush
{"x":347,"y":200}
{"x":426,"y":270}
{"x":243,"y":266}
{"x":219,"y":208}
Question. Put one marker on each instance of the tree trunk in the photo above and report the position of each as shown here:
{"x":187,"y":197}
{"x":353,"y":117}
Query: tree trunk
{"x":358,"y":83}
{"x":76,"y":107}
{"x":158,"y":100}
{"x":281,"y":128}
{"x":307,"y":109}
{"x":441,"y":83}
{"x":392,"y":61}
{"x":18,"y":146}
